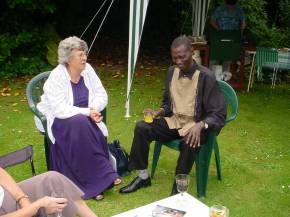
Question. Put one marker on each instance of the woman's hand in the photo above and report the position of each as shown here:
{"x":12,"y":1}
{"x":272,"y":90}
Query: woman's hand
{"x":95,"y":115}
{"x":53,"y":204}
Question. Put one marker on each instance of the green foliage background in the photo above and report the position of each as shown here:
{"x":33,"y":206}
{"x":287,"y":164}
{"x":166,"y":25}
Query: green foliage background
{"x":24,"y":35}
{"x":28,"y":36}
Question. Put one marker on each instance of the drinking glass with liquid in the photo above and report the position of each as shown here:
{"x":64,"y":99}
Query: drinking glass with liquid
{"x":148,"y":115}
{"x":218,"y":211}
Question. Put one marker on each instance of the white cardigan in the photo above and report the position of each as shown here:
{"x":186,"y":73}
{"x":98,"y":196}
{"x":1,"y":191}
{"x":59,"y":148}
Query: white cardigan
{"x":57,"y":98}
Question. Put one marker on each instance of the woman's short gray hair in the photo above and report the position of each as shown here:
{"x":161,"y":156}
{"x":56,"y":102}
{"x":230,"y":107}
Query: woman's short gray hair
{"x":66,"y":46}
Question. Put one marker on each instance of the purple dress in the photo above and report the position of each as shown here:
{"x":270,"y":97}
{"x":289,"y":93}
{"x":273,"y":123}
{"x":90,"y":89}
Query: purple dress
{"x":80,"y":151}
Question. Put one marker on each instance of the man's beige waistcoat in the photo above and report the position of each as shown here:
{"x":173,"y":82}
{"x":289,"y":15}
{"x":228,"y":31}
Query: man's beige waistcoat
{"x":183,"y":92}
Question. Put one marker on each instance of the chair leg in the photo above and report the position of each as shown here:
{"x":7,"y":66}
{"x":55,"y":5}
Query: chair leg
{"x":249,"y":83}
{"x":32,"y":167}
{"x":156,"y":153}
{"x":259,"y":73}
{"x":47,"y":151}
{"x":252,"y":72}
{"x":217,"y":160}
{"x":272,"y":84}
{"x":275,"y":77}
{"x":202,"y":166}
{"x":253,"y":77}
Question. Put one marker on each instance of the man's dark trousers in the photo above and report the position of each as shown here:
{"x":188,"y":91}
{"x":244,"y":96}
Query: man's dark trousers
{"x":145,"y":133}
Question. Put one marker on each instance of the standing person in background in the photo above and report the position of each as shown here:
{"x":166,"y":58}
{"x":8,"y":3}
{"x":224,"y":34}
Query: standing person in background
{"x":73,"y":97}
{"x":229,"y":16}
{"x":32,"y":197}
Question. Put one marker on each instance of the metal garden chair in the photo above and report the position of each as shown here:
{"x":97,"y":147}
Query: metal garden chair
{"x":204,"y":155}
{"x":267,"y":58}
{"x":282,"y":64}
{"x":18,"y":157}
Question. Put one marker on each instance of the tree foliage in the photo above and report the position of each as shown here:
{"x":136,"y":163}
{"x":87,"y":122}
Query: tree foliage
{"x":263,"y":30}
{"x":28,"y":39}
{"x":23,"y":36}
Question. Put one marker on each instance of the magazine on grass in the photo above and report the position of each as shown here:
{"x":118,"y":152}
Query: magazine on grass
{"x":163,"y":211}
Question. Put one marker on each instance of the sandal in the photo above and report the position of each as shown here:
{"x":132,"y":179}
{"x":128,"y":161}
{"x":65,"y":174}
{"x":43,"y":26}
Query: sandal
{"x":117,"y":181}
{"x":99,"y":197}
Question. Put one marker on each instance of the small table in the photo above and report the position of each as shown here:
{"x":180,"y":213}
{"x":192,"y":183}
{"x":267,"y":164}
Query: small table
{"x":193,"y":207}
{"x":245,"y":48}
{"x":204,"y":48}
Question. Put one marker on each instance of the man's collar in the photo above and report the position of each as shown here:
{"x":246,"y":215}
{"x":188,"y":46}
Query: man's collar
{"x":190,"y":73}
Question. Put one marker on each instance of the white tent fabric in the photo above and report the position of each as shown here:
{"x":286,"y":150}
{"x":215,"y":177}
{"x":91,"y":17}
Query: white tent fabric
{"x":199,"y":16}
{"x":138,"y":9}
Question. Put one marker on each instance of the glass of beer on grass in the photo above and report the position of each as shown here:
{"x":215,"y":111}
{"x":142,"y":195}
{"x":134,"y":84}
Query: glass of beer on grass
{"x":218,"y":211}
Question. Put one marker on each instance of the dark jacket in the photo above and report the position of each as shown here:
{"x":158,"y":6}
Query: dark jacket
{"x":210,"y":102}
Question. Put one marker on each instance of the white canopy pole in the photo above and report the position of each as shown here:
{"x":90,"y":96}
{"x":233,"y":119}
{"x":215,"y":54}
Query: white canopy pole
{"x":138,"y":9}
{"x":199,"y":16}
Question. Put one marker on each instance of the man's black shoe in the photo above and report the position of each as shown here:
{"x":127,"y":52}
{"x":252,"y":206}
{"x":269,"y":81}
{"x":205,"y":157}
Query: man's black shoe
{"x":174,"y":189}
{"x":136,"y":184}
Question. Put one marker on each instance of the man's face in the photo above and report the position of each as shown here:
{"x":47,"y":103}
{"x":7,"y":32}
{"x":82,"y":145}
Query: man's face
{"x":182,"y":57}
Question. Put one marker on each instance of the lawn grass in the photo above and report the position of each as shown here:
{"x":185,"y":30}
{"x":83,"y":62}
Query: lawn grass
{"x":255,"y":148}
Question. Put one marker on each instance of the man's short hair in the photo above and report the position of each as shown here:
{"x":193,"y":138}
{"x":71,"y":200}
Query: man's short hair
{"x":231,"y":2}
{"x":181,"y":40}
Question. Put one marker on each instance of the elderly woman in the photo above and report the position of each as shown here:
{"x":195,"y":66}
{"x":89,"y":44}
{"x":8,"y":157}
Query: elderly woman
{"x":72,"y":101}
{"x":32,"y":197}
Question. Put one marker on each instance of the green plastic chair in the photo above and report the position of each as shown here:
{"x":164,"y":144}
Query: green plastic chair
{"x":34,"y":90}
{"x":203,"y":157}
